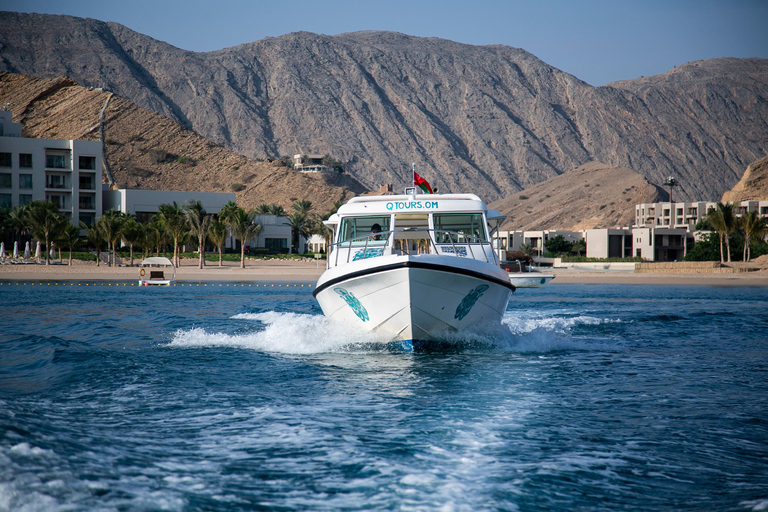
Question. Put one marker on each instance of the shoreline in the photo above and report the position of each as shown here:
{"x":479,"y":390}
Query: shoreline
{"x":310,"y":271}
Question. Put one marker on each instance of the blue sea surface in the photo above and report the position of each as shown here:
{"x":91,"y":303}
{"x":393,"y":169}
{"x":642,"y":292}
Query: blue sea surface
{"x":230,"y":397}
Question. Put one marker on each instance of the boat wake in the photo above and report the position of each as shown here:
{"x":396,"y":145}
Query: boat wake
{"x":292,"y":333}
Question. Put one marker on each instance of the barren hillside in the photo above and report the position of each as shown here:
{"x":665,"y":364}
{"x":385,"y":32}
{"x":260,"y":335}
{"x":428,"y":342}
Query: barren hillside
{"x":150,"y":151}
{"x":753,"y":185}
{"x":492,"y":120}
{"x":593,"y":195}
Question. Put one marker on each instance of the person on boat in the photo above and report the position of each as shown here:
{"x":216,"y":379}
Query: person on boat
{"x":376,"y":228}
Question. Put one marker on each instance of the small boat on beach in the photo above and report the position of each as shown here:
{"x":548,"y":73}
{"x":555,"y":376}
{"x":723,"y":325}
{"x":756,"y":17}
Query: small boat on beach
{"x":414,"y":266}
{"x":153,"y":272}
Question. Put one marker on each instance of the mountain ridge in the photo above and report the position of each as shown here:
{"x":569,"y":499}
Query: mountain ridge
{"x":147,"y":150}
{"x":491,"y":119}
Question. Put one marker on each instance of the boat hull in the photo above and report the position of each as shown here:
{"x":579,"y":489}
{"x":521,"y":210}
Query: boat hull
{"x":415,"y":297}
{"x":529,"y":279}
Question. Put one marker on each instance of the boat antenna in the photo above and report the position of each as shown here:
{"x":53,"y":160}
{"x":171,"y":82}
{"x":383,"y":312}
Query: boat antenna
{"x":413,"y":174}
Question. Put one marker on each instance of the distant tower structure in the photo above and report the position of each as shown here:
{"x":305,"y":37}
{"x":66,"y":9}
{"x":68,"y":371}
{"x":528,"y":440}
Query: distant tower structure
{"x":670,"y":182}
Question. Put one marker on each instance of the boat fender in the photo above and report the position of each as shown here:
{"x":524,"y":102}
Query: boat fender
{"x":142,"y":272}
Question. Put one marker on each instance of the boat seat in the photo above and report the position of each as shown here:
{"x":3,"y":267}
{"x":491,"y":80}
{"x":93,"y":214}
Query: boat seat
{"x":156,"y":274}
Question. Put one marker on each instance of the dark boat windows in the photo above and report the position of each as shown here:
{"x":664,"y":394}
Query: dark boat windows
{"x":357,"y":227}
{"x":468,"y":224}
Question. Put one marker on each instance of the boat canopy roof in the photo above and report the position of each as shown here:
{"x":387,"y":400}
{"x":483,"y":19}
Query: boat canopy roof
{"x":157,"y":260}
{"x":422,"y":203}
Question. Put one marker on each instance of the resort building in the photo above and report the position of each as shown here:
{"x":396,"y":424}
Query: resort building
{"x":686,"y":215}
{"x":310,"y":163}
{"x":608,"y":243}
{"x":275,"y":234}
{"x":510,"y":241}
{"x":65,"y":172}
{"x":317,"y":243}
{"x":143,"y":204}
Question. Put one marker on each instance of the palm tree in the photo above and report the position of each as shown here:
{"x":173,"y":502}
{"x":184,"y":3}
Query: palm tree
{"x":95,"y":238}
{"x":217,"y":232}
{"x":227,"y":212}
{"x":175,"y":227}
{"x":45,"y":223}
{"x":302,"y":206}
{"x":16,"y":220}
{"x":154,"y":234}
{"x":70,"y":237}
{"x":723,"y":220}
{"x":525,"y":250}
{"x":198,"y":221}
{"x":298,"y":222}
{"x":132,"y":232}
{"x":754,"y":227}
{"x":276,"y":210}
{"x":110,"y":224}
{"x":263,"y":209}
{"x":244,"y":228}
{"x":579,"y":246}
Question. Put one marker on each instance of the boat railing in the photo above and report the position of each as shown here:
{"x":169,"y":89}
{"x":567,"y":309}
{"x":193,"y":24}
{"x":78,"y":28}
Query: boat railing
{"x":379,"y":244}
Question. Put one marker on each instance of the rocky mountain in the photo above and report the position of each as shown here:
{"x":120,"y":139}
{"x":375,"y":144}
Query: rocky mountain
{"x":147,"y":150}
{"x":753,"y":185}
{"x":592,"y":196}
{"x":493,"y":120}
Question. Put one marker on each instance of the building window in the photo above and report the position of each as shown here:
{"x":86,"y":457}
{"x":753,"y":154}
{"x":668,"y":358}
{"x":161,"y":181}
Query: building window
{"x":5,"y":180}
{"x":87,"y":162}
{"x":25,"y":199}
{"x":25,"y":181}
{"x":55,"y":181}
{"x":276,"y":244}
{"x":25,"y":161}
{"x":56,"y":161}
{"x":87,"y":220}
{"x":57,"y":200}
{"x":6,"y":201}
{"x":87,"y":203}
{"x":87,"y":182}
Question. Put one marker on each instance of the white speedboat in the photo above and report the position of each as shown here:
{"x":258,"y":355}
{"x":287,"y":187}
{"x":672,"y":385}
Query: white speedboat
{"x":529,"y":279}
{"x":157,"y":271}
{"x":428,"y":267}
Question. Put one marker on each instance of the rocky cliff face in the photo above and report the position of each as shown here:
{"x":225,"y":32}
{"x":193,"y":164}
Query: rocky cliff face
{"x":492,"y":120}
{"x":753,"y":186}
{"x":592,"y":196}
{"x":147,"y":150}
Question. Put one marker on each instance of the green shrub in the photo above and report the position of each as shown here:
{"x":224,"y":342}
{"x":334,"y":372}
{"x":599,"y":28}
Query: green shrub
{"x":237,"y":187}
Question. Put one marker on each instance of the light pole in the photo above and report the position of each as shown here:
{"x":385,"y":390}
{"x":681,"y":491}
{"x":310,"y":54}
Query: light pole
{"x":670,"y":182}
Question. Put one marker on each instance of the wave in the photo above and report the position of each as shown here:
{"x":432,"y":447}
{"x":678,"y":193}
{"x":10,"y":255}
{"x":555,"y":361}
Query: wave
{"x":292,"y":333}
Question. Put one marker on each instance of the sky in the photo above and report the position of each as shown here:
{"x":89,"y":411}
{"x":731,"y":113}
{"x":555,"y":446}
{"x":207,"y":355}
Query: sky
{"x":598,"y":41}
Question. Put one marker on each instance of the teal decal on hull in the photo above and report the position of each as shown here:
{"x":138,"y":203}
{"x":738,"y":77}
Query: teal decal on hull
{"x":354,"y":303}
{"x":469,"y":301}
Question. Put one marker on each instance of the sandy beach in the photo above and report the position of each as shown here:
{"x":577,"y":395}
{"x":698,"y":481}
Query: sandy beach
{"x":309,"y":271}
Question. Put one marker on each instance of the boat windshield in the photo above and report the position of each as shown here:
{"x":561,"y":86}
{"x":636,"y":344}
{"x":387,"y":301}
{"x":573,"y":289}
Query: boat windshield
{"x":355,"y":227}
{"x":469,"y":224}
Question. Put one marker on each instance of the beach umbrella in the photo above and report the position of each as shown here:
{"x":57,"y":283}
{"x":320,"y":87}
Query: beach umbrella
{"x":53,"y":253}
{"x":15,"y":250}
{"x":2,"y":250}
{"x":37,"y":251}
{"x":26,"y":251}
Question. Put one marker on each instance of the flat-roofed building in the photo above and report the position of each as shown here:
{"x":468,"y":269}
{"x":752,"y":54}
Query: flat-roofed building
{"x":686,"y":215}
{"x":65,"y":172}
{"x":608,"y":243}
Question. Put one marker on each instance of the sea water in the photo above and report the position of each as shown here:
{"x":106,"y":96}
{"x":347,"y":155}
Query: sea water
{"x":232,"y":396}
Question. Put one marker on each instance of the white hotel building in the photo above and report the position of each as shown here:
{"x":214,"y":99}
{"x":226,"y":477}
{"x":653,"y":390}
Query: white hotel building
{"x":65,"y":172}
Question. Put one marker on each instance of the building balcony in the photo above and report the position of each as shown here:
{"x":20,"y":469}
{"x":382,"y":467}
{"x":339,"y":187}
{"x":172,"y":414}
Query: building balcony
{"x":87,"y":205}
